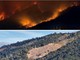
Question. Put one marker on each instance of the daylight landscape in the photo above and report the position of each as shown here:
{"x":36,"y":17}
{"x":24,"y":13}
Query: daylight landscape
{"x":54,"y":46}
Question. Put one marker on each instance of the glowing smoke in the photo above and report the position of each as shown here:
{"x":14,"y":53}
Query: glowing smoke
{"x":2,"y":16}
{"x":27,"y":22}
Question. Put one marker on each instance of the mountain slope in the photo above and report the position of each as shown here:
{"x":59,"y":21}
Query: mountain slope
{"x":69,"y":52}
{"x":68,"y":19}
{"x":57,"y":43}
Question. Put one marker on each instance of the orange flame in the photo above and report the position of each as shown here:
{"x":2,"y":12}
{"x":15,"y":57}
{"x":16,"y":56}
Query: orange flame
{"x":56,"y":13}
{"x":2,"y":16}
{"x":27,"y":22}
{"x":59,"y":9}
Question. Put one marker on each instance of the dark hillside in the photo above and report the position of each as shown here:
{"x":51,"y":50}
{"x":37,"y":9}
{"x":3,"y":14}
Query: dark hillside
{"x":68,"y":19}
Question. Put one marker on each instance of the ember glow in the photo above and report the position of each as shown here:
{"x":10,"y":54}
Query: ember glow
{"x":9,"y":8}
{"x":60,"y":9}
{"x":57,"y":12}
{"x":2,"y":16}
{"x":26,"y":22}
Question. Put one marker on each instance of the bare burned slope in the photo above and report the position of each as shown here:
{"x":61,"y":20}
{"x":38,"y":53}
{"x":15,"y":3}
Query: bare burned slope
{"x":71,"y":51}
{"x":40,"y":52}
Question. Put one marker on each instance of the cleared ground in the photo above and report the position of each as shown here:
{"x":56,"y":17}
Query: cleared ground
{"x":39,"y":52}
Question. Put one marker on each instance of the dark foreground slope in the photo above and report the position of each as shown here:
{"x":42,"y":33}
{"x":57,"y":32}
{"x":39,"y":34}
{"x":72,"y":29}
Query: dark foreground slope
{"x":19,"y":50}
{"x":68,"y":19}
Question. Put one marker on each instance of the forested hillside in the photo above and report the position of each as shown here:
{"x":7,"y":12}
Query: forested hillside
{"x":62,"y":46}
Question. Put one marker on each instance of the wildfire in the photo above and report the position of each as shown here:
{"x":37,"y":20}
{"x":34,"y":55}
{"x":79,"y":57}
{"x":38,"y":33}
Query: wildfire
{"x":2,"y":16}
{"x":59,"y":9}
{"x":27,"y":22}
{"x":15,"y":7}
{"x":56,"y":13}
